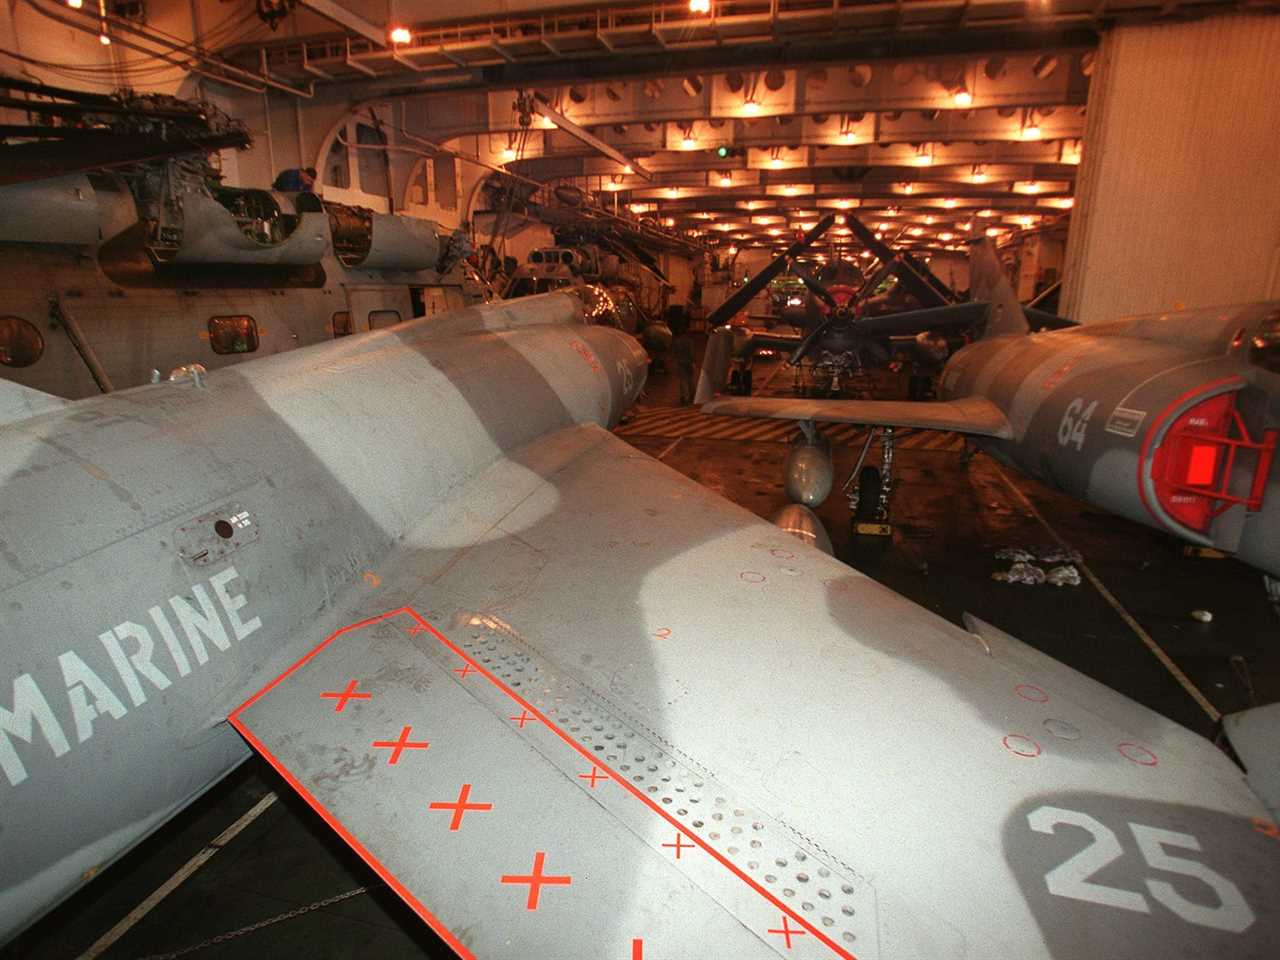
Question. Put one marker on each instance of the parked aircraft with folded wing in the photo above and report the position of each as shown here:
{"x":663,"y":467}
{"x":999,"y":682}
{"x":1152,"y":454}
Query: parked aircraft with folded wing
{"x":1170,"y":419}
{"x":566,"y":702}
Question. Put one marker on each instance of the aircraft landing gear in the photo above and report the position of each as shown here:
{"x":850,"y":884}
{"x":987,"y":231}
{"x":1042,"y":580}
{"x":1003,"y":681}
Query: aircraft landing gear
{"x":868,"y":489}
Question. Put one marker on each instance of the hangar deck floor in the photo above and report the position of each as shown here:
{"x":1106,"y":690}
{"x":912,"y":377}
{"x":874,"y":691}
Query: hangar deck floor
{"x":949,"y":519}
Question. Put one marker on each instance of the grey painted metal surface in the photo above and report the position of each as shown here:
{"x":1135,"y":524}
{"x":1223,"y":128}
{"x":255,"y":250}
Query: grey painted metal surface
{"x":975,"y":415}
{"x":1254,"y":735}
{"x":1168,"y":419}
{"x":67,"y":211}
{"x":211,"y":234}
{"x":137,"y":317}
{"x":400,"y":243}
{"x":953,"y":790}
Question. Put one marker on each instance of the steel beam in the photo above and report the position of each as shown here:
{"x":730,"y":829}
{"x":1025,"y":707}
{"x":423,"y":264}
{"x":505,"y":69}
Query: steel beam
{"x":345,"y":18}
{"x":571,"y":128}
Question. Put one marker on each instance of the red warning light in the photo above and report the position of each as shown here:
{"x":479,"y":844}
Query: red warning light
{"x":1201,"y":465}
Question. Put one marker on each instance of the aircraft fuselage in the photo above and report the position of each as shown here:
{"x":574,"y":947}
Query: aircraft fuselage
{"x":1145,"y":418}
{"x":168,"y":549}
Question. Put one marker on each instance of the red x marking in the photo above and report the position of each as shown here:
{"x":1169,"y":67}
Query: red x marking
{"x":348,"y":694}
{"x":525,"y":717}
{"x":680,"y":845}
{"x":461,"y":807}
{"x":463,"y":670}
{"x":789,"y":931}
{"x":593,"y":776}
{"x":537,"y":880}
{"x":398,"y":747}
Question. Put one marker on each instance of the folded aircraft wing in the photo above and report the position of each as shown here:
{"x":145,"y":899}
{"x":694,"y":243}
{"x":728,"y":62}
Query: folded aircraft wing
{"x":592,"y":710}
{"x":974,"y":415}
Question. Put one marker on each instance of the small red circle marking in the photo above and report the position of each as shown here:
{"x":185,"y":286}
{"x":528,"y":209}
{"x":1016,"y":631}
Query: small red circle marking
{"x":782,"y":554}
{"x":750,"y":576}
{"x":1137,"y":753}
{"x":1020,"y":745}
{"x":1029,"y":691}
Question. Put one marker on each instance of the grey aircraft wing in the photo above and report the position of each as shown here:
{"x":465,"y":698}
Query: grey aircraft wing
{"x":973,"y":415}
{"x":18,"y":402}
{"x":537,"y":780}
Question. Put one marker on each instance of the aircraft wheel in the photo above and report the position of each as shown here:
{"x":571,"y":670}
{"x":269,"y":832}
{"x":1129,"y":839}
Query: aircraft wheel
{"x":869,"y":486}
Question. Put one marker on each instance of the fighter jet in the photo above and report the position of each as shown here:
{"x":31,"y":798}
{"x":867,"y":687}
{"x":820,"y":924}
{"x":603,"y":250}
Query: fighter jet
{"x":566,"y":702}
{"x":1169,"y":420}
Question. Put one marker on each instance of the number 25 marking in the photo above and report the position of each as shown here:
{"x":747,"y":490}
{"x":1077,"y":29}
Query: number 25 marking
{"x":1075,"y":421}
{"x":1071,"y":877}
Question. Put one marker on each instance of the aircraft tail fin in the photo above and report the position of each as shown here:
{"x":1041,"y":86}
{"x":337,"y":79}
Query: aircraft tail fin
{"x":988,"y":284}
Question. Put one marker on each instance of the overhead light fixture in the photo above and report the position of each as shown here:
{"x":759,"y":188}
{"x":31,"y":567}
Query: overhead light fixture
{"x":726,"y":180}
{"x":699,"y":6}
{"x":103,"y":38}
{"x":1031,"y":132}
{"x":776,"y":163}
{"x":509,"y":153}
{"x":929,"y":218}
{"x":924,"y":158}
{"x":843,"y":204}
{"x":950,"y":203}
{"x":978,"y":174}
{"x":751,"y":108}
{"x":638,"y":207}
{"x":673,"y":192}
{"x":1071,"y":152}
{"x":882,"y":227}
{"x":945,"y":236}
{"x":916,"y":231}
{"x":400,"y":35}
{"x":988,"y":213}
{"x":670,"y":222}
{"x":865,"y":254}
{"x":964,"y":227}
{"x":732,"y":250}
{"x":908,"y":188}
{"x":849,"y":136}
{"x":688,"y":141}
{"x":628,"y":169}
{"x":774,"y":232}
{"x":790,"y":190}
{"x":962,"y":98}
{"x":993,"y":231}
{"x":75,"y":4}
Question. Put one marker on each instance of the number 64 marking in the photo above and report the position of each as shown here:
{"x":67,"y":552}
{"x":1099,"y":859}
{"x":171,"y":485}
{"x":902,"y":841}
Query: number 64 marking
{"x":1071,"y":878}
{"x":1075,"y":421}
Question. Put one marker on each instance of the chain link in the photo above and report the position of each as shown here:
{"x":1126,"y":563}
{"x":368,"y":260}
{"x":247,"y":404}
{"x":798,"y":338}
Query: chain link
{"x":253,"y":927}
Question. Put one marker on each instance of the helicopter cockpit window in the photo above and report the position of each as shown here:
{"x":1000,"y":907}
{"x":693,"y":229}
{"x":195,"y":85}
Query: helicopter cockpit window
{"x":1264,"y":348}
{"x":21,"y":344}
{"x":234,"y":334}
